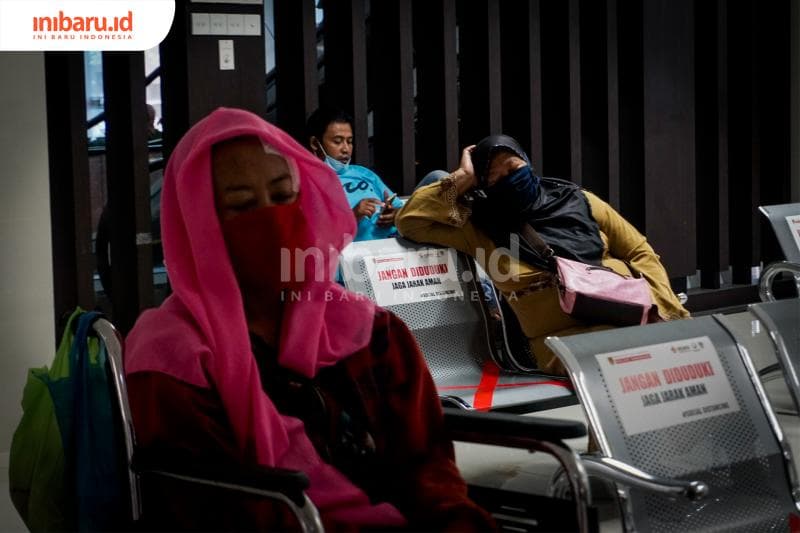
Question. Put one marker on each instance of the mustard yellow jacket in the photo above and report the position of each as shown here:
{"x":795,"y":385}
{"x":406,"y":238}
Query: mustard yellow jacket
{"x":435,"y":215}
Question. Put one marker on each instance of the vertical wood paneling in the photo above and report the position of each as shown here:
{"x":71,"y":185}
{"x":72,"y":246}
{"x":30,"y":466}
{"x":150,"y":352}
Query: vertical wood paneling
{"x":711,"y":140}
{"x":479,"y":70}
{"x":742,"y":141}
{"x":128,"y":186}
{"x":575,"y":109}
{"x":537,"y":112}
{"x":612,"y":93}
{"x":772,"y":78}
{"x":434,"y":27}
{"x":588,"y":94}
{"x":296,"y":83}
{"x":669,"y":151}
{"x":676,"y":111}
{"x":70,"y":210}
{"x":521,"y":75}
{"x":555,"y":35}
{"x":794,"y":101}
{"x":394,"y":104}
{"x":631,"y":118}
{"x":346,"y":67}
{"x":175,"y":80}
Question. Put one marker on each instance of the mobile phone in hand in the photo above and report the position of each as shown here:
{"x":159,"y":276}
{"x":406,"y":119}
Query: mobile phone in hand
{"x":388,"y":201}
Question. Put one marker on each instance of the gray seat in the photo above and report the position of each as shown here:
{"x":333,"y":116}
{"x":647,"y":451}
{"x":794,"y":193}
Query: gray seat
{"x":680,"y":400}
{"x":434,"y":291}
{"x":276,"y":484}
{"x":782,"y":321}
{"x":516,"y":511}
{"x":785,"y":222}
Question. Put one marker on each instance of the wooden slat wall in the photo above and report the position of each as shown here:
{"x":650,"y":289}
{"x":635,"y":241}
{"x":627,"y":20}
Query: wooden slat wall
{"x":73,"y":262}
{"x":521,"y":75}
{"x":669,"y":166}
{"x":743,"y":146}
{"x":589,"y":96}
{"x":128,"y":186}
{"x":346,"y":67}
{"x":393,"y":104}
{"x":555,"y":76}
{"x":434,"y":27}
{"x":296,"y":54}
{"x":479,"y":69}
{"x":612,"y":104}
{"x":711,"y":136}
{"x":675,"y":111}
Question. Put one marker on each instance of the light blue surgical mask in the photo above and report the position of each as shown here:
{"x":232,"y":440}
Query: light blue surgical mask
{"x":335,"y":164}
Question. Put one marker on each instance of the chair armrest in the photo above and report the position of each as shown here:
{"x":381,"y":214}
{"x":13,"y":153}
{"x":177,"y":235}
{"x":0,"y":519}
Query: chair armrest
{"x":253,"y":479}
{"x":631,"y":476}
{"x":770,"y":273}
{"x":504,"y":429}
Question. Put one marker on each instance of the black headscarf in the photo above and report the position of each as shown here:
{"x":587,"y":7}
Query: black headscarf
{"x":557,"y":209}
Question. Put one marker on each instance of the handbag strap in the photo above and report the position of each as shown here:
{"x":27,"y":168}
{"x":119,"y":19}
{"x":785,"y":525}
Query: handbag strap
{"x":535,"y":241}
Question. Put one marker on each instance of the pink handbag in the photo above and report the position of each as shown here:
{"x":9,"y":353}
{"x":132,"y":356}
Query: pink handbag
{"x":596,"y":294}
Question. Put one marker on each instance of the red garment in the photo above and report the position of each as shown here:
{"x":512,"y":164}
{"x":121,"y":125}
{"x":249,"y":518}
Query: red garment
{"x":415,"y":465}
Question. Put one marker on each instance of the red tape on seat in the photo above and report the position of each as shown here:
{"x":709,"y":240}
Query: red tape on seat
{"x":485,"y":392}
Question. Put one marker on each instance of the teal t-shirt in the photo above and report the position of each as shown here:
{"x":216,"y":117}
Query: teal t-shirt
{"x":359,"y":183}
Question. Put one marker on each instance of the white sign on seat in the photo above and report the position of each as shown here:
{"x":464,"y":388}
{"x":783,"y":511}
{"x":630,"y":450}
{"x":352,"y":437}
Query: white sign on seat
{"x":413,"y":276}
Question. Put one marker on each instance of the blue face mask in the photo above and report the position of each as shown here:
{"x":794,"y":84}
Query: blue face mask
{"x":515,"y":194}
{"x":335,"y":164}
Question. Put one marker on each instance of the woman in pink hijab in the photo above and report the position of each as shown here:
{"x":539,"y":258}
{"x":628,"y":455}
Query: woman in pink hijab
{"x":258,"y":358}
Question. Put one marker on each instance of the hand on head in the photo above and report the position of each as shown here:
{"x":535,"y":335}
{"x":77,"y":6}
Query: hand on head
{"x":466,"y":167}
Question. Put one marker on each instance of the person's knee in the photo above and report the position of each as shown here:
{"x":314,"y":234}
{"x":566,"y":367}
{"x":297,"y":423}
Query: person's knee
{"x":431,"y":177}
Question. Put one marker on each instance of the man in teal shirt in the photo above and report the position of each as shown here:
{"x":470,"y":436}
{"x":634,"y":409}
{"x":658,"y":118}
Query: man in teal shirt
{"x":330,"y":137}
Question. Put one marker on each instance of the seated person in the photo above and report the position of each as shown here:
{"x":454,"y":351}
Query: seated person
{"x":250,"y":364}
{"x":574,"y":222}
{"x":330,"y":137}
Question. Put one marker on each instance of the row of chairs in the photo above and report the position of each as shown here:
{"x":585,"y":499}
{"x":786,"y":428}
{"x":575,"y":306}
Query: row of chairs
{"x":725,"y":471}
{"x":725,"y":467}
{"x":729,"y":444}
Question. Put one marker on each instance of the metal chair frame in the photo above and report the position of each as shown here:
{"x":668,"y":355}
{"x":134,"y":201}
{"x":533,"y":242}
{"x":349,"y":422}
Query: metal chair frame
{"x":690,"y":489}
{"x":449,"y":364}
{"x":306,"y":514}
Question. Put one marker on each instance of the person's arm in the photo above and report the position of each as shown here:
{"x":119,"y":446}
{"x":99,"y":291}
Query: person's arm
{"x":435,"y":213}
{"x":627,"y":244}
{"x":174,"y":419}
{"x":425,"y":482}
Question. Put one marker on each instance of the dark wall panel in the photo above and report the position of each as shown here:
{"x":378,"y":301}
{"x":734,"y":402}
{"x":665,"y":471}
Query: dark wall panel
{"x":296,"y":84}
{"x":668,"y":54}
{"x":434,"y":27}
{"x":711,"y":137}
{"x":73,"y":261}
{"x":346,"y":67}
{"x":521,"y":75}
{"x":589,"y":95}
{"x":556,"y":140}
{"x":128,"y":186}
{"x":394,"y":104}
{"x":479,"y":70}
{"x":743,"y":150}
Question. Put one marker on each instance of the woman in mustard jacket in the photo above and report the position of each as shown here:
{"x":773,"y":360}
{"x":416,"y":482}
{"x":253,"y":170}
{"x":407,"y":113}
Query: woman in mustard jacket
{"x":477,"y":208}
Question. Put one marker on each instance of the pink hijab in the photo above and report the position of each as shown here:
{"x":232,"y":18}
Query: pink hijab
{"x":199,"y":335}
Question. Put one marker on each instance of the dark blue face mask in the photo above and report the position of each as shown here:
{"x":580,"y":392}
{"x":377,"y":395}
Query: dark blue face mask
{"x":515,"y":194}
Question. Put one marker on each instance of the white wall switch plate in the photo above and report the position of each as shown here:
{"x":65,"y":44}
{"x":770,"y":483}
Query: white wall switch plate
{"x":226,"y":61}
